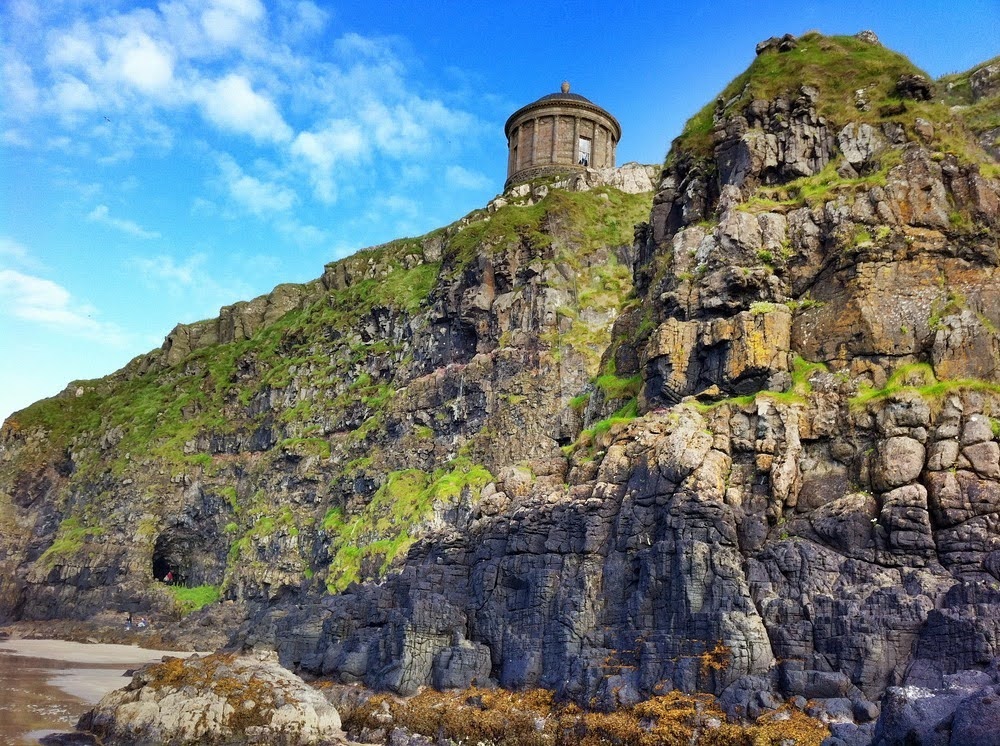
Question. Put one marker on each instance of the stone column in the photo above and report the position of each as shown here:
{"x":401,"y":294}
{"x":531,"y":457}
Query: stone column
{"x":555,"y":129}
{"x":534,"y":141}
{"x":520,"y":147}
{"x":576,"y":140}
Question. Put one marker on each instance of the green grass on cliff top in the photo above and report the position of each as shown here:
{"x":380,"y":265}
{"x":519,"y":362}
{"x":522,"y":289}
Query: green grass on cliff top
{"x":956,"y":91}
{"x":836,"y":65}
{"x":597,"y":218}
{"x":160,"y":410}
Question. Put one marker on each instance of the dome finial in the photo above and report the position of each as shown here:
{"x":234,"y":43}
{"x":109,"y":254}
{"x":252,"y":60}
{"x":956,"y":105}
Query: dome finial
{"x":565,"y":86}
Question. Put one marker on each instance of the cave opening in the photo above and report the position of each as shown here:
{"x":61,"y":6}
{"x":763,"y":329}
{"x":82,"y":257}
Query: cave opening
{"x":162,"y":568}
{"x":172,"y":557}
{"x":190,"y":555}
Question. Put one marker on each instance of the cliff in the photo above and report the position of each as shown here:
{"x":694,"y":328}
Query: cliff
{"x":750,"y":448}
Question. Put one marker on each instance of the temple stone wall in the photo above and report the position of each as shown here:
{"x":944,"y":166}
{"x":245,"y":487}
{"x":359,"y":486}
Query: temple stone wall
{"x":553,"y":134}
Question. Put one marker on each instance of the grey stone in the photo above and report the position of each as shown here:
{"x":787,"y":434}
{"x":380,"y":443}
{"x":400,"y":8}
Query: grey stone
{"x":977,"y":429}
{"x":900,"y":461}
{"x":977,"y":719}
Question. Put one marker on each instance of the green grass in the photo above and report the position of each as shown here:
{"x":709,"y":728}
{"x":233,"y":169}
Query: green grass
{"x":192,"y":599}
{"x":70,"y":540}
{"x":919,"y":378}
{"x":814,"y":190}
{"x":802,"y":371}
{"x":616,"y":387}
{"x":836,"y":65}
{"x":955,"y":87}
{"x":306,"y":447}
{"x":383,"y":529}
{"x":590,"y":437}
{"x":599,"y":218}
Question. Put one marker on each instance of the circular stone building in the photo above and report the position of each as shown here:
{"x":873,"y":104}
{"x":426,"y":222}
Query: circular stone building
{"x":560,"y":133}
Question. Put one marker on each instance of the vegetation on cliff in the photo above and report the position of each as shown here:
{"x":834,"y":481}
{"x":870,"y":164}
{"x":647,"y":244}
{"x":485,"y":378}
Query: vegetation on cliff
{"x":322,"y":391}
{"x":857,"y":81}
{"x":762,"y":424}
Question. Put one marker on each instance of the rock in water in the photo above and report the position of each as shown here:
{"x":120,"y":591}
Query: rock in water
{"x":221,"y":698}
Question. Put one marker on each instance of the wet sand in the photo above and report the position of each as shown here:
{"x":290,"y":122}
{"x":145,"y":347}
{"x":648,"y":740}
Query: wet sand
{"x":45,"y":685}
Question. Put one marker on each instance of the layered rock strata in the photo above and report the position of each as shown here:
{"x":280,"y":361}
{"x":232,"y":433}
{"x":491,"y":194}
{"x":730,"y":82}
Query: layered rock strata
{"x":751,"y":448}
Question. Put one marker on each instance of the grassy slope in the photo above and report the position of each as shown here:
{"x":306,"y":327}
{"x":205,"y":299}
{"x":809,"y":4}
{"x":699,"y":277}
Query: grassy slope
{"x":839,"y":66}
{"x":354,"y":380}
{"x":979,"y":116}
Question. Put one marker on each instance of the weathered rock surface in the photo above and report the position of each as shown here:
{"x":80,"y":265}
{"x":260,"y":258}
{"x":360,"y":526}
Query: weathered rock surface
{"x":755,"y":452}
{"x":218,"y":699}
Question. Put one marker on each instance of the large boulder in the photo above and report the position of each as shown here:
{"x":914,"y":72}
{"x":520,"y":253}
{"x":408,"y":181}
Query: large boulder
{"x":218,"y":699}
{"x":964,"y":709}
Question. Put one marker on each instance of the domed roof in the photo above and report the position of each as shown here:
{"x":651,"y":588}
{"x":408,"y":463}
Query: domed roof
{"x":563,"y":95}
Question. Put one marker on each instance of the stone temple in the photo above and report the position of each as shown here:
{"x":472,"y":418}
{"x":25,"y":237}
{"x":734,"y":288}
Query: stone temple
{"x":561,"y":133}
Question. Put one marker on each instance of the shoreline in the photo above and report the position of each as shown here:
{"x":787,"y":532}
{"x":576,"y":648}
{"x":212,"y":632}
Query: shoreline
{"x":92,"y":669}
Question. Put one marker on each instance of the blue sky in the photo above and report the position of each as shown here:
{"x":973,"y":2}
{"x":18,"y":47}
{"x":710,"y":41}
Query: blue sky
{"x":161,"y":159}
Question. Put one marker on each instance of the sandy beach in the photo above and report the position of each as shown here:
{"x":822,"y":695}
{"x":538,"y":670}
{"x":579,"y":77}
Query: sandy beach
{"x":50,"y":683}
{"x":103,"y":664}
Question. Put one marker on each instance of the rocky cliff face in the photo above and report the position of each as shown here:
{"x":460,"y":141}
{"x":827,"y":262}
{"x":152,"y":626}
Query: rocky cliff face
{"x":754,"y":451}
{"x":307,"y":438}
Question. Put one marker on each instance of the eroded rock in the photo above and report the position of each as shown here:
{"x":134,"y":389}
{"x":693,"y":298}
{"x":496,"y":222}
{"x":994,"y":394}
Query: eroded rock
{"x":217,"y":699}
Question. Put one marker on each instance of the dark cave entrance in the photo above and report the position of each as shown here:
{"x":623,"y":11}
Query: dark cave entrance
{"x":172,"y":557}
{"x":162,"y":568}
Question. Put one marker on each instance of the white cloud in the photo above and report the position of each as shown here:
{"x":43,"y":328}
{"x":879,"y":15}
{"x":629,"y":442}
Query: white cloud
{"x":301,"y":233}
{"x":166,"y":271}
{"x":260,"y":197}
{"x":357,"y":48}
{"x":143,"y":63}
{"x":340,"y":141}
{"x":14,"y":253}
{"x":191,"y":278}
{"x":231,"y":104}
{"x":226,"y":23}
{"x":74,"y":49}
{"x":11,"y":248}
{"x":15,"y":137}
{"x":302,"y":19}
{"x":203,"y":207}
{"x":72,"y":95}
{"x":400,"y":205}
{"x":463,"y":178}
{"x":41,"y":301}
{"x":101,"y":214}
{"x":19,"y":85}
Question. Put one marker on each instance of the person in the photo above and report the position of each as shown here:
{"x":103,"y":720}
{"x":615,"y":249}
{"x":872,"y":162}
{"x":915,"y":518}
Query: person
{"x":169,"y":577}
{"x":128,"y":620}
{"x":142,"y":622}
